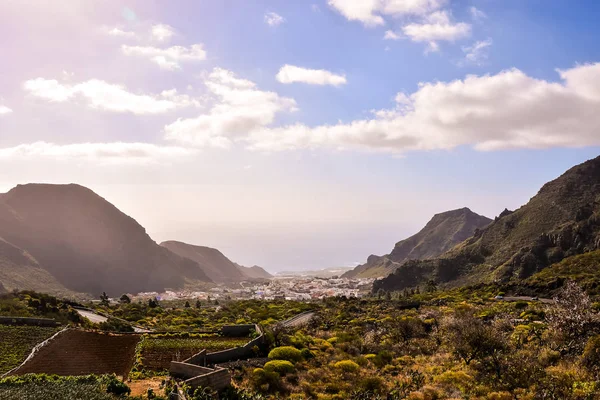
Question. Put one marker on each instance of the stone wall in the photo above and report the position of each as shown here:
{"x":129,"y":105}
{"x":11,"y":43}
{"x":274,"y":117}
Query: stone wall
{"x":217,"y":380}
{"x":186,"y":371}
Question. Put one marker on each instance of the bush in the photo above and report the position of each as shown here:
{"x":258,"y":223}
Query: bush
{"x":287,"y":353}
{"x":280,"y":366}
{"x":347,"y":366}
{"x":590,"y":358}
{"x":265,"y":381}
{"x":116,"y":387}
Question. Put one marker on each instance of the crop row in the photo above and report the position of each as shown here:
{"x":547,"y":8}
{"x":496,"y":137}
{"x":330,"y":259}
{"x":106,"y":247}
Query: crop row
{"x":16,"y":342}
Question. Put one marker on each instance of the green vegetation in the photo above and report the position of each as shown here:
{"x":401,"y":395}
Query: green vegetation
{"x":280,"y":366}
{"x":287,"y":353}
{"x":174,"y":316}
{"x":583,"y":269}
{"x":38,"y":305}
{"x":16,"y":342}
{"x":52,"y":387}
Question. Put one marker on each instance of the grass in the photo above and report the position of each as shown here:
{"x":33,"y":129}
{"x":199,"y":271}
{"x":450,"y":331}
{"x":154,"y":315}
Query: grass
{"x":16,"y":342}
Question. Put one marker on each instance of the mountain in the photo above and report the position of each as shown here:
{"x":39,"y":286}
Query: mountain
{"x":562,"y":220}
{"x":214,"y":263}
{"x":255,"y":272}
{"x":19,"y":270}
{"x":69,"y":235}
{"x":441,"y":233}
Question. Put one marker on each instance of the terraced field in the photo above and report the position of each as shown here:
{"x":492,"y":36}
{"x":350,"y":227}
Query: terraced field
{"x":158,"y":352}
{"x":16,"y":343}
{"x":76,"y":352}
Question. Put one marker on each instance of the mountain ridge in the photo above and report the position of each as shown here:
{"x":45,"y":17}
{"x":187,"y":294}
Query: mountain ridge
{"x":86,"y":243}
{"x":560,"y":221}
{"x":441,"y":233}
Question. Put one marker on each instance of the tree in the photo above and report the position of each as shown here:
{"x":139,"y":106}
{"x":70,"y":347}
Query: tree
{"x":104,"y":299}
{"x":431,"y":286}
{"x":187,"y":304}
{"x":198,"y":304}
{"x":125,"y":299}
{"x":153,"y":303}
{"x":571,"y":321}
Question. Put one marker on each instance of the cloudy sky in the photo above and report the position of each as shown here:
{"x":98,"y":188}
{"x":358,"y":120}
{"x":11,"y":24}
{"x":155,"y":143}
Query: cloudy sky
{"x":298,"y":134}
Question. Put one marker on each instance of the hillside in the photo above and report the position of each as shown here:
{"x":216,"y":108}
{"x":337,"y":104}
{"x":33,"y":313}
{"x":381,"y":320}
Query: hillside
{"x":84,"y":243}
{"x":215,"y":264}
{"x":255,"y":272}
{"x":562,"y":220}
{"x":19,"y":270}
{"x":442,"y":232}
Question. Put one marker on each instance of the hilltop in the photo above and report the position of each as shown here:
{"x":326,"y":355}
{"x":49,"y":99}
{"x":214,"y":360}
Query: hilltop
{"x":442,"y":232}
{"x":215,"y":264}
{"x":57,"y":237}
{"x":562,"y":220}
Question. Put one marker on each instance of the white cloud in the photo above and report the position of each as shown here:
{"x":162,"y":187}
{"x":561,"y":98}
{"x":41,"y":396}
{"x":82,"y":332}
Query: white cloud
{"x":371,"y":12}
{"x":291,"y":74}
{"x":240,"y":108}
{"x":391,"y":35}
{"x":162,"y":32}
{"x":109,"y":153}
{"x":5,"y":110}
{"x":273,"y":19}
{"x":118,"y":32}
{"x":437,"y":26}
{"x":105,"y":96}
{"x":489,"y":112}
{"x":477,"y":53}
{"x":477,"y":14}
{"x":169,"y":58}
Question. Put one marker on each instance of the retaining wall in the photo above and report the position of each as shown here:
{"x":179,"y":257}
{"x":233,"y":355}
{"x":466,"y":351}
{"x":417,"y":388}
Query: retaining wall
{"x":217,"y":380}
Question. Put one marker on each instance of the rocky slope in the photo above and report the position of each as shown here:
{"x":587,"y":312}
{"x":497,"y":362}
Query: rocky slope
{"x":215,"y":264}
{"x":441,"y":233}
{"x":84,"y":243}
{"x":562,"y":220}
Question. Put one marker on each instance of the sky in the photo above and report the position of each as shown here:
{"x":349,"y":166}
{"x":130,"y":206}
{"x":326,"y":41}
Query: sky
{"x":298,"y":134}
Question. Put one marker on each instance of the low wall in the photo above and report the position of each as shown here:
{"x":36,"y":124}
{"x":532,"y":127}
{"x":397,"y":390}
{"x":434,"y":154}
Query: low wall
{"x":217,"y":380}
{"x":186,"y":371}
{"x":28,"y":321}
{"x":237,"y":330}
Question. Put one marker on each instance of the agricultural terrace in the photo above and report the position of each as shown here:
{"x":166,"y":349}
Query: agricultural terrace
{"x":156,"y":351}
{"x":16,"y":343}
{"x":52,"y":387}
{"x":76,"y":352}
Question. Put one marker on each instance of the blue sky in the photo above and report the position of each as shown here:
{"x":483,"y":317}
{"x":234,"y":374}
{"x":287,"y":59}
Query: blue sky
{"x":298,"y":134}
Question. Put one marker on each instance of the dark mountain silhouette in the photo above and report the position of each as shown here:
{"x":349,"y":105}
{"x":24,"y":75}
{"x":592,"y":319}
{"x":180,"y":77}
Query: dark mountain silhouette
{"x":562,"y":220}
{"x":86,"y":243}
{"x":214,"y":263}
{"x":442,"y":232}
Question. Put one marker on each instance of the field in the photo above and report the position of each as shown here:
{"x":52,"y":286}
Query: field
{"x":77,"y":352}
{"x":16,"y":342}
{"x":158,"y":352}
{"x":44,"y":387}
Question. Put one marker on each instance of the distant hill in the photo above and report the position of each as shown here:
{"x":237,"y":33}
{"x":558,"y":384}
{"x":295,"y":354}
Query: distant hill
{"x":562,"y":220}
{"x":254,"y":272}
{"x":66,"y":236}
{"x":215,"y":264}
{"x":442,"y":232}
{"x":320,"y":273}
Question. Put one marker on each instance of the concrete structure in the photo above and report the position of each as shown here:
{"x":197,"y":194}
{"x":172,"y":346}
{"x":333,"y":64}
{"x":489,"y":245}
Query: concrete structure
{"x":195,"y":372}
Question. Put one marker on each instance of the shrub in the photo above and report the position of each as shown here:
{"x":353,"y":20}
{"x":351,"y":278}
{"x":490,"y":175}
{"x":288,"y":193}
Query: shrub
{"x":280,"y":366}
{"x":116,"y":387}
{"x":287,"y":353}
{"x":372,"y":384}
{"x":590,"y":358}
{"x":347,"y":366}
{"x":265,"y":381}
